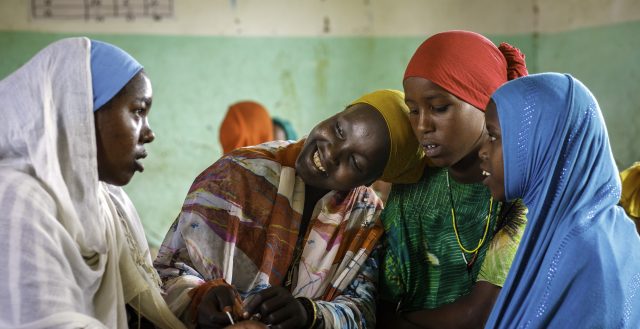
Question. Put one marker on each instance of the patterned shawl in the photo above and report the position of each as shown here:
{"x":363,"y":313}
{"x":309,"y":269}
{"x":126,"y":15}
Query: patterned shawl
{"x":241,"y":219}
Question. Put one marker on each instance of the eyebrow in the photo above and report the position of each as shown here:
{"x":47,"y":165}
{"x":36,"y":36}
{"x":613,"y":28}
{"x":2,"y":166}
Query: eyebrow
{"x":145,"y":100}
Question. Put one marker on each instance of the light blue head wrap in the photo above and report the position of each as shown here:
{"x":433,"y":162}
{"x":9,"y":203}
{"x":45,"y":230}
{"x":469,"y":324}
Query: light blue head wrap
{"x":111,"y":69}
{"x":578,"y":263}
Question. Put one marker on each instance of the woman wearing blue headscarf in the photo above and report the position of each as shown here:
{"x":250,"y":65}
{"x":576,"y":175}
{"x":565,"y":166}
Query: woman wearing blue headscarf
{"x":73,"y":130}
{"x":578,"y":264}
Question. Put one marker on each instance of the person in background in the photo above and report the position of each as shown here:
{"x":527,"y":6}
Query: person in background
{"x":630,"y":199}
{"x":283,"y":130}
{"x":73,"y":130}
{"x":246,"y":123}
{"x":284,"y":231}
{"x":577,"y":265}
{"x":448,"y":245}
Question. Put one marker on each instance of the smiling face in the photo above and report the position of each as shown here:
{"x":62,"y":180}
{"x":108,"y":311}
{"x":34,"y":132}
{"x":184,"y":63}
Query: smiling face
{"x":347,"y":150}
{"x":491,"y":155}
{"x":449,"y":129}
{"x":122,"y":130}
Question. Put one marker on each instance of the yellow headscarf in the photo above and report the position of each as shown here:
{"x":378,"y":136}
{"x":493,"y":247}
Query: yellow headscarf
{"x":630,"y":199}
{"x":406,"y":157}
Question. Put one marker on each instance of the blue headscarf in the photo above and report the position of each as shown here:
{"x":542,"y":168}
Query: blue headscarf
{"x":286,"y":126}
{"x":578,"y":263}
{"x":111,"y":69}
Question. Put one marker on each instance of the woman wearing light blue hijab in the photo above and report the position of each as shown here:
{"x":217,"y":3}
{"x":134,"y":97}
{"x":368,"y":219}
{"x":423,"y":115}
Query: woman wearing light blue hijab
{"x":578,"y":264}
{"x":72,"y":249}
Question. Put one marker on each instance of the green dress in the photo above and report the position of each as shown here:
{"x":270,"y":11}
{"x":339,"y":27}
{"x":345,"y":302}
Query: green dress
{"x":423,"y":266}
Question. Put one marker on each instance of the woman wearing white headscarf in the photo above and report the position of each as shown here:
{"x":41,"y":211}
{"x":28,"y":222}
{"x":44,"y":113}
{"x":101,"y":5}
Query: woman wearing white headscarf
{"x":72,"y":248}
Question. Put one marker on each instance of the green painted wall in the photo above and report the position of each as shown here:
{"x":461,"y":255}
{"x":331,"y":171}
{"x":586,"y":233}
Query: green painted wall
{"x":306,"y":80}
{"x":607,"y":60}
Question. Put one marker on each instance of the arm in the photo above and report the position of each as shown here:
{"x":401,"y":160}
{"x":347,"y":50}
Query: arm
{"x":470,"y":311}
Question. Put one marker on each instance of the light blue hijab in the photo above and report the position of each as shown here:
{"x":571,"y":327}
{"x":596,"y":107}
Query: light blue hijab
{"x":578,"y":264}
{"x":111,"y":69}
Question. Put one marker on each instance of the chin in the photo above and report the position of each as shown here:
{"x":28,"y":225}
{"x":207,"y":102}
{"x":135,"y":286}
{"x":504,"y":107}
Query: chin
{"x":440,"y":162}
{"x":121,"y":180}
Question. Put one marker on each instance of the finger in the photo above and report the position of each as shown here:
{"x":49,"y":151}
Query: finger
{"x":252,"y":302}
{"x":281,"y":315}
{"x":209,"y":314}
{"x":259,"y":298}
{"x":275,"y":303}
{"x":287,"y":324}
{"x":224,"y":297}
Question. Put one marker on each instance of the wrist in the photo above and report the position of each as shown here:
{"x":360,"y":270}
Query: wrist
{"x":312,"y":311}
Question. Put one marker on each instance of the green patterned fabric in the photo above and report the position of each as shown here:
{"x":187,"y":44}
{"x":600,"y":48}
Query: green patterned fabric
{"x":422,"y":264}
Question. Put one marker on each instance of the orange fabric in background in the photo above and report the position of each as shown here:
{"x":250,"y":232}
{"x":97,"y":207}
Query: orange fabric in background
{"x":246,"y":123}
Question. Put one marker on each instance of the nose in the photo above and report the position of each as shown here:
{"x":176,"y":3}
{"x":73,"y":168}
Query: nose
{"x":424,"y":123}
{"x":483,"y":153}
{"x":147,"y":135}
{"x":332,"y":153}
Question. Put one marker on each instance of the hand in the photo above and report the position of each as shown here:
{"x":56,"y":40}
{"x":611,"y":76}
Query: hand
{"x":215,"y":306}
{"x":278,"y":308}
{"x":248,"y":324}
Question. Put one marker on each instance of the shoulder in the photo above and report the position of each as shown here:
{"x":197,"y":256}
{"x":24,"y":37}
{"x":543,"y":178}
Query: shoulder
{"x":21,"y":192}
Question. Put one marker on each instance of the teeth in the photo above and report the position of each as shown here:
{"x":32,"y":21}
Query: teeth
{"x":316,"y":161}
{"x":430,"y":146}
{"x":486,"y":173}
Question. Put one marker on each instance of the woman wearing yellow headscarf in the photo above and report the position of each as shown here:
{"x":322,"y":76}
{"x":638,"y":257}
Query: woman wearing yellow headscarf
{"x":290,"y":226}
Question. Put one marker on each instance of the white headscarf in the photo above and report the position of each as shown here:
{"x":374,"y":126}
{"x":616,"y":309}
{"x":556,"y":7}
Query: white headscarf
{"x":72,"y":249}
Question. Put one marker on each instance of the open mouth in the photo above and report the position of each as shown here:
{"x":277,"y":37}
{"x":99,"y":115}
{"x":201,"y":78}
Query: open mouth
{"x":317,"y":163}
{"x":486,"y":173}
{"x":431,"y":149}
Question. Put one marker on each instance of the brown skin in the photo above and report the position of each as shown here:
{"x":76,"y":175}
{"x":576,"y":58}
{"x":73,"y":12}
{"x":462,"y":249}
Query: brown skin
{"x":470,"y":311}
{"x":451,"y":132}
{"x":122,"y":129}
{"x":248,"y":324}
{"x":491,"y":155}
{"x":454,"y":127}
{"x":349,"y":146}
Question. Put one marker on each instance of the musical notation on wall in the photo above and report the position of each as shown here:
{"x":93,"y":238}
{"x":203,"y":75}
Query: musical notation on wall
{"x":100,"y":10}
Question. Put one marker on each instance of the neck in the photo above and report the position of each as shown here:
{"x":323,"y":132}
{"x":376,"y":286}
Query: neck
{"x":467,"y":170}
{"x":311,"y":196}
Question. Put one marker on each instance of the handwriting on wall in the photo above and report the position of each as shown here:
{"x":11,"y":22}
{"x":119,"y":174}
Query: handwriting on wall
{"x":100,"y":10}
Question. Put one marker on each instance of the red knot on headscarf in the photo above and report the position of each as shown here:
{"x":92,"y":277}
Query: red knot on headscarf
{"x":467,"y":65}
{"x":246,"y":123}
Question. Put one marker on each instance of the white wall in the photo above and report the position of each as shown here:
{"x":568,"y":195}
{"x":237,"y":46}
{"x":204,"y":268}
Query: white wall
{"x":341,"y":17}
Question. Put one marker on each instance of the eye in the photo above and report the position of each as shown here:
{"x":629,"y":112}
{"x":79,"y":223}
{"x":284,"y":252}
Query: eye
{"x":413,"y":111}
{"x":354,"y":163}
{"x":492,"y":138}
{"x":339,"y":130}
{"x":440,"y":109}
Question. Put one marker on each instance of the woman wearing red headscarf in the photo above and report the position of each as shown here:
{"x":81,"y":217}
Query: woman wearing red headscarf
{"x":449,"y":246}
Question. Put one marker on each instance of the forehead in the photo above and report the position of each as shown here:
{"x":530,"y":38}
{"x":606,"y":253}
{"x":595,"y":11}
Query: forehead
{"x":491,"y":115}
{"x":422,"y":87}
{"x":138,"y":87}
{"x":363,"y":116}
{"x":369,"y":129}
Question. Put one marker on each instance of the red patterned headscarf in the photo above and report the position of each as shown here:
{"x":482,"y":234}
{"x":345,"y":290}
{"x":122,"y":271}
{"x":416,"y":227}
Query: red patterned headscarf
{"x":467,"y":65}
